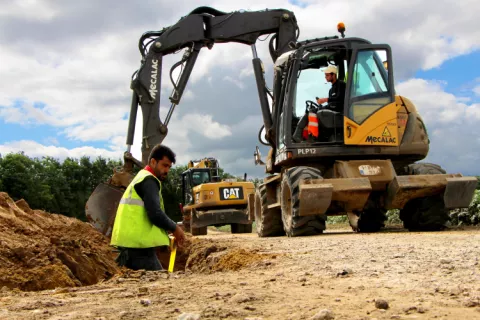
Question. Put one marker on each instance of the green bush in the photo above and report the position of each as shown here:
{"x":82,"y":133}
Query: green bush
{"x":393,"y":217}
{"x":468,"y":216}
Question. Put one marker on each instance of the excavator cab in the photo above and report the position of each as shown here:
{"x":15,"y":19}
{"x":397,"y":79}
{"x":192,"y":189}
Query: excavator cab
{"x":368,"y":88}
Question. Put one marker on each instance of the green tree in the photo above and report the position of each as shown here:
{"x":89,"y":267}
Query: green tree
{"x":54,"y":177}
{"x":172,"y":192}
{"x":23,"y":178}
{"x":256,"y":181}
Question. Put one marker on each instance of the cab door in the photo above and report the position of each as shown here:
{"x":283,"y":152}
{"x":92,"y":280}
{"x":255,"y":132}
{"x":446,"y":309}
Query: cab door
{"x":370,"y":112}
{"x":187,"y":188}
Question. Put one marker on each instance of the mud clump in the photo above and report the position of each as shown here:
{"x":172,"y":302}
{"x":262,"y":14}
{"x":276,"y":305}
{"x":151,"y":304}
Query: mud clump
{"x":41,"y":250}
{"x":207,"y":256}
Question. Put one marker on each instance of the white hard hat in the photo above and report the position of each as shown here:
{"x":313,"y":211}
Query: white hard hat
{"x":330,"y":69}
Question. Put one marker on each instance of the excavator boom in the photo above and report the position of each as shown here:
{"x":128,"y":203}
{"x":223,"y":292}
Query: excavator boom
{"x":203,"y":27}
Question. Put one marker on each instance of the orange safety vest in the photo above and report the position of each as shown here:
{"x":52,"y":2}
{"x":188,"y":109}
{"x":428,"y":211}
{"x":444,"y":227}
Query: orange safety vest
{"x":312,"y":128}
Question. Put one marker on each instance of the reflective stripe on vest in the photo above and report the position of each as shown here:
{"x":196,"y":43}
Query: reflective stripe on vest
{"x":132,"y":227}
{"x":313,"y":124}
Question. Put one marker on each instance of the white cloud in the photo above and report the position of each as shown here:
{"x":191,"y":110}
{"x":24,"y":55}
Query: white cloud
{"x":31,"y":9}
{"x":36,"y":150}
{"x":204,"y":125}
{"x":476,"y":90}
{"x":452,"y":125}
{"x":246,"y":72}
{"x":236,"y":82}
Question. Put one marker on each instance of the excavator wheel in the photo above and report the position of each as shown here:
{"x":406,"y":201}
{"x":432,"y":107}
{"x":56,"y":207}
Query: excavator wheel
{"x":372,"y":220}
{"x":294,"y":224}
{"x":427,"y":213}
{"x":268,"y":221}
{"x":241,"y":228}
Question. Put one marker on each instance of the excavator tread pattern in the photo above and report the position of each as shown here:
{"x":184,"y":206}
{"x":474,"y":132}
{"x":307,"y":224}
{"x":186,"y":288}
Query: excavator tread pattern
{"x":294,"y":224}
{"x":268,"y":221}
{"x":428,"y":213}
{"x":425,"y":168}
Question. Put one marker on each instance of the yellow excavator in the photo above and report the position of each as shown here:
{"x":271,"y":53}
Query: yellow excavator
{"x":210,"y":201}
{"x":362,"y":162}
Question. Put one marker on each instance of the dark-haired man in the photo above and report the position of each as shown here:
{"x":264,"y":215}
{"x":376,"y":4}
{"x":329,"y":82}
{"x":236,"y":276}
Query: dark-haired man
{"x":141,"y":224}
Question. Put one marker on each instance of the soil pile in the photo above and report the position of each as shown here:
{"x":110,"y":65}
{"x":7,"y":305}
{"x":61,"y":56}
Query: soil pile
{"x":40,"y":250}
{"x":209,"y":256}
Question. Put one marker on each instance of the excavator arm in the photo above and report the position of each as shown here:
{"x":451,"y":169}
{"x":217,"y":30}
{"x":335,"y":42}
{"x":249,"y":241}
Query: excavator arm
{"x":203,"y":27}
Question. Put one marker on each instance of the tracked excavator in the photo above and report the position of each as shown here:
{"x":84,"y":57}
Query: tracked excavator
{"x":210,"y":201}
{"x":362,"y":162}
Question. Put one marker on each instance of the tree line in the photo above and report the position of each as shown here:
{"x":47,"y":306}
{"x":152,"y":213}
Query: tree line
{"x":64,"y":187}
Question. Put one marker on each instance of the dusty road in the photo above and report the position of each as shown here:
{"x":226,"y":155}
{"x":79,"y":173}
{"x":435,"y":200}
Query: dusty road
{"x":417,"y":275}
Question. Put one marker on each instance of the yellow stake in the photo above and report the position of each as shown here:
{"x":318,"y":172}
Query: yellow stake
{"x":173,"y":253}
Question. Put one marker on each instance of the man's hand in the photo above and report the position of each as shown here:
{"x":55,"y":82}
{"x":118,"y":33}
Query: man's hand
{"x":179,"y":236}
{"x":322,"y":100}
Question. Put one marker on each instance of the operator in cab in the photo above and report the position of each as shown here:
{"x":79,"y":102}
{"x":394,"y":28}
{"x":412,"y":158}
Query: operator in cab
{"x":336,"y":94}
{"x":335,"y":100}
{"x":141,"y":224}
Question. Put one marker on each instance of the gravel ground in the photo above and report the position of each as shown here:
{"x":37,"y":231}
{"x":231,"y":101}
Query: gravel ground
{"x":393,"y":274}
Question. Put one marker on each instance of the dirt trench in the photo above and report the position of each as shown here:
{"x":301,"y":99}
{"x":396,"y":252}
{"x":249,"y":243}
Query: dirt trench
{"x":201,"y":255}
{"x":41,"y":251}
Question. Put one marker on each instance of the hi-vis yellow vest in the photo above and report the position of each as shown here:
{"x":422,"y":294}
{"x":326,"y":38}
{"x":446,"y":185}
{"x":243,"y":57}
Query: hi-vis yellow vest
{"x":132,"y":228}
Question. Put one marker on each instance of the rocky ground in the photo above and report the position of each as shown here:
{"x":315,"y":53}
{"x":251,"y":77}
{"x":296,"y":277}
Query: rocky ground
{"x":393,"y":274}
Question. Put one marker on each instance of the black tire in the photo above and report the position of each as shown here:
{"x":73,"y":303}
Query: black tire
{"x":268,"y":221}
{"x":293,"y":224}
{"x":372,"y":220}
{"x":198,"y":231}
{"x":427,"y":213}
{"x":241,"y":228}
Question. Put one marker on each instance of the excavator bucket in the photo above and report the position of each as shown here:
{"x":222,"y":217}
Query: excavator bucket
{"x":101,"y":207}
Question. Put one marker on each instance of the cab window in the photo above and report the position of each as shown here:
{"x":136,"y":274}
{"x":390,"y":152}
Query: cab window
{"x":369,"y":90}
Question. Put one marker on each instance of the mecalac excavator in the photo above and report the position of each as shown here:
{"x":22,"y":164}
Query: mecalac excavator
{"x":362,"y":162}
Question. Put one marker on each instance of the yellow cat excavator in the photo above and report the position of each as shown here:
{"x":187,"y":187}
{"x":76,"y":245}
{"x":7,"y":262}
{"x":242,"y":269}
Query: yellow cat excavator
{"x":210,"y":201}
{"x":362,"y":161}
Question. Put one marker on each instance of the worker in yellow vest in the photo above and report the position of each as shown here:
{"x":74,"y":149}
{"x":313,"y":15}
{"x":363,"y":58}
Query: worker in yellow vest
{"x":141,"y":223}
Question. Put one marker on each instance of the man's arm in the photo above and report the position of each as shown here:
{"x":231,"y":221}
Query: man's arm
{"x":148,"y":190}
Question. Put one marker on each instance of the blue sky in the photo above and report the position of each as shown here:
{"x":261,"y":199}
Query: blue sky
{"x":460,"y":75}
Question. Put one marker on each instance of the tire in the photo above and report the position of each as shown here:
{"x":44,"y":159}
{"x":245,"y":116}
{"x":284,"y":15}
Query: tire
{"x":293,"y":224}
{"x":268,"y":221}
{"x":372,"y":220}
{"x":241,"y":228}
{"x":427,"y":213}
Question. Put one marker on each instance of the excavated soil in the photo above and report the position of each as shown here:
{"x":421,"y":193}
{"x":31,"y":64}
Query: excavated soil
{"x":206,"y":256}
{"x":40,"y":250}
